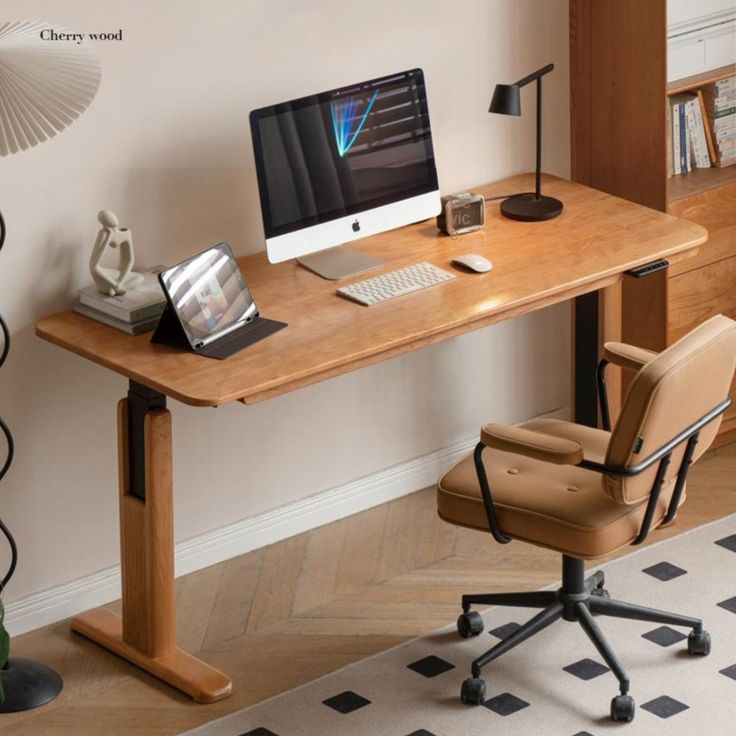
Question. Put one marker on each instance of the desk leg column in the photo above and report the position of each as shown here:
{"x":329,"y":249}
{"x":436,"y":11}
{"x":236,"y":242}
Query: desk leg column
{"x":146,"y":632}
{"x":585,"y":328}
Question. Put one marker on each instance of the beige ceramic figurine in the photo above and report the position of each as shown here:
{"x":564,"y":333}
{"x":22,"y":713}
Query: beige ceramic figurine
{"x":113,"y":281}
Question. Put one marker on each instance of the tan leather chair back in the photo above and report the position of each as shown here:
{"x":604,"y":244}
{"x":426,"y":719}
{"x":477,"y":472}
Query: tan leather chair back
{"x":670,"y":393}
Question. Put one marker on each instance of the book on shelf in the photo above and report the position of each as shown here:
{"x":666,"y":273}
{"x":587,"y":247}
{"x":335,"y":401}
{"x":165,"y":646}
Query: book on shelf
{"x":685,"y":137}
{"x":725,"y":128}
{"x":727,"y":84}
{"x":679,"y":164}
{"x":720,"y":108}
{"x":708,"y":135}
{"x":683,"y":121}
{"x":696,"y":132}
{"x":132,"y":328}
{"x":701,"y":127}
{"x":142,"y":303}
{"x":719,"y":105}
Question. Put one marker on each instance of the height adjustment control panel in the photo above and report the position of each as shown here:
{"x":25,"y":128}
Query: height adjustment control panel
{"x":648,"y":269}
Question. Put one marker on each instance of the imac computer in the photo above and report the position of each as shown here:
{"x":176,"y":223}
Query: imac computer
{"x":340,"y":165}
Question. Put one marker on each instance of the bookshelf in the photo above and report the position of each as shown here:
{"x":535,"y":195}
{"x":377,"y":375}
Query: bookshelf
{"x":700,"y":180}
{"x":618,"y":115}
{"x":699,"y":80}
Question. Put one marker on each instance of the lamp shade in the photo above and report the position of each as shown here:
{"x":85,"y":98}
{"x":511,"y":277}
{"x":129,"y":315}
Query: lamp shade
{"x":506,"y":100}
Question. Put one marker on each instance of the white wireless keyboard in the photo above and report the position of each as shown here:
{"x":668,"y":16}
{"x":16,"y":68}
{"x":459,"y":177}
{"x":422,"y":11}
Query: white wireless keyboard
{"x":395,"y":283}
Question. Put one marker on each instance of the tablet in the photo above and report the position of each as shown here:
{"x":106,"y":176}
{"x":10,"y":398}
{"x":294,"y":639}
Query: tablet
{"x":209,"y":299}
{"x":209,"y":295}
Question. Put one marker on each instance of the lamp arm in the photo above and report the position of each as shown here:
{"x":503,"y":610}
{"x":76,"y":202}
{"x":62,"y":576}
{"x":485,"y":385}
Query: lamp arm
{"x":534,"y":75}
{"x":537,"y":77}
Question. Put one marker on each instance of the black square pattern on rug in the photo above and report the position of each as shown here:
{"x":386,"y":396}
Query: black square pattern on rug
{"x":505,"y":704}
{"x":729,"y":605}
{"x":728,"y":542}
{"x":586,"y":669}
{"x":664,"y":706}
{"x":431,"y":666}
{"x":664,"y":636}
{"x":420,"y":732}
{"x":259,"y":732}
{"x":346,"y":702}
{"x":664,"y":571}
{"x":729,"y":671}
{"x":501,"y":632}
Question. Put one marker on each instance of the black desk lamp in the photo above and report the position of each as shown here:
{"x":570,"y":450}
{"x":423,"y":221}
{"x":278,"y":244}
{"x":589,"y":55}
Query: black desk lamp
{"x":529,"y":206}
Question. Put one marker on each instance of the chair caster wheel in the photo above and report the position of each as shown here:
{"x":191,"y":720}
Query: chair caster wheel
{"x":698,"y":643}
{"x":473,"y":691}
{"x":622,"y":708}
{"x":469,"y":624}
{"x":599,"y":578}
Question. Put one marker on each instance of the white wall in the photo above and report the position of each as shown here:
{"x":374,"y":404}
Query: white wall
{"x":684,"y":11}
{"x":166,"y":145}
{"x":700,"y":36}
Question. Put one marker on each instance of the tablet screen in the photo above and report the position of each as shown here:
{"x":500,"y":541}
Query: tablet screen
{"x":209,"y":294}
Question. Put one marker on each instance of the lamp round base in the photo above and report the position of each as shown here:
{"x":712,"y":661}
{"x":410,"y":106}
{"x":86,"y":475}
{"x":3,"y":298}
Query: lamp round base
{"x":528,"y":208}
{"x":28,"y":684}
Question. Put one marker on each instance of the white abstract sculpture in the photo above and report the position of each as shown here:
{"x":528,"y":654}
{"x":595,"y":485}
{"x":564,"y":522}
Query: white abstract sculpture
{"x":114,"y":281}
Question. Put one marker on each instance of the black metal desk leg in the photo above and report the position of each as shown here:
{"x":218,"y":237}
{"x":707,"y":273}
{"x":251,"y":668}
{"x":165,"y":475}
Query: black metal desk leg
{"x":585,"y":358}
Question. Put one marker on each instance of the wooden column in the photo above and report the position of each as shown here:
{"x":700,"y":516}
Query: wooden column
{"x":618,"y":144}
{"x":147,"y":544}
{"x":146,"y":633}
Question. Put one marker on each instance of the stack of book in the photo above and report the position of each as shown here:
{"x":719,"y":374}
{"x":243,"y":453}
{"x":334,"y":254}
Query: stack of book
{"x":720,"y":99}
{"x":133,"y":312}
{"x":689,"y":138}
{"x":702,"y":127}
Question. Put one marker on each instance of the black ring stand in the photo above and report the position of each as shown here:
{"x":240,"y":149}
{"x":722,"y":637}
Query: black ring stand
{"x":26,"y":684}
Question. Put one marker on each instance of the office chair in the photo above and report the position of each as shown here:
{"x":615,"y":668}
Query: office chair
{"x":586,"y":492}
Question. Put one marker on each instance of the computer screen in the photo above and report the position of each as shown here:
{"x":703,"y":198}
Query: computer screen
{"x":342,"y":153}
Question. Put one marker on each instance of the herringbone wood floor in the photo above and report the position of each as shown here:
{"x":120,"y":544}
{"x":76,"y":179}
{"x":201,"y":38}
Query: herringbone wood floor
{"x":286,"y":614}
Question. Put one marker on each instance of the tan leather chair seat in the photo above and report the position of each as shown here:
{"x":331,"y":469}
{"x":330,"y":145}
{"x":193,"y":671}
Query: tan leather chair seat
{"x":561,"y":507}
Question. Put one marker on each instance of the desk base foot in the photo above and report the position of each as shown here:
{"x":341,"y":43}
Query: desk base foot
{"x":204,"y":684}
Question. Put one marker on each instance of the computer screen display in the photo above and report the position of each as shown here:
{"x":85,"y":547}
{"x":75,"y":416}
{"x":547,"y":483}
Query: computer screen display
{"x":209,"y":293}
{"x":342,"y":152}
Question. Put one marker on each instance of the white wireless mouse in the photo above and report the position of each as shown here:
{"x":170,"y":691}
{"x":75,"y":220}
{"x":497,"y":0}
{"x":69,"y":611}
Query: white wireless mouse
{"x":473,"y":262}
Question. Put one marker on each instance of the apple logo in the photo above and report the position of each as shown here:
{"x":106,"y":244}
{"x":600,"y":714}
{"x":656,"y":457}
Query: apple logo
{"x":356,"y":226}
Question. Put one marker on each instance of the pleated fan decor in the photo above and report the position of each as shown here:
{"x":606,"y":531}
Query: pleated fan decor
{"x":44,"y":85}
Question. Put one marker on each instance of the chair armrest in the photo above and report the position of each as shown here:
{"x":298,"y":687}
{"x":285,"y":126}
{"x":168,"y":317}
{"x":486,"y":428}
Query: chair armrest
{"x":627,"y":356}
{"x":539,"y":446}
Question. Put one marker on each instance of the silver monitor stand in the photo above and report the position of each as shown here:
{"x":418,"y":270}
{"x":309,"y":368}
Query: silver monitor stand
{"x":339,"y":262}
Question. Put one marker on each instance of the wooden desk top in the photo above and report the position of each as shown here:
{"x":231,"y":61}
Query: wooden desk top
{"x":534,"y":265}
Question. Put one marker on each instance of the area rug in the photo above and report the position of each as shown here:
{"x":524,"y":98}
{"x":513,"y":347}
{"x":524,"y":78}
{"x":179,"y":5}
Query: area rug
{"x":552,"y":685}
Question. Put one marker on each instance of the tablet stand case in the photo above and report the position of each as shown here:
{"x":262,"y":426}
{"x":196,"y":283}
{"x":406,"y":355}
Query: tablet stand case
{"x":170,"y":332}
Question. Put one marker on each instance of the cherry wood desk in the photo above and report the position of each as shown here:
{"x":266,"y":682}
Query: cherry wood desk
{"x":588,"y":248}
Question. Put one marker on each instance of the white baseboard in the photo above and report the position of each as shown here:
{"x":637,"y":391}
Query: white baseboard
{"x":60,"y":602}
